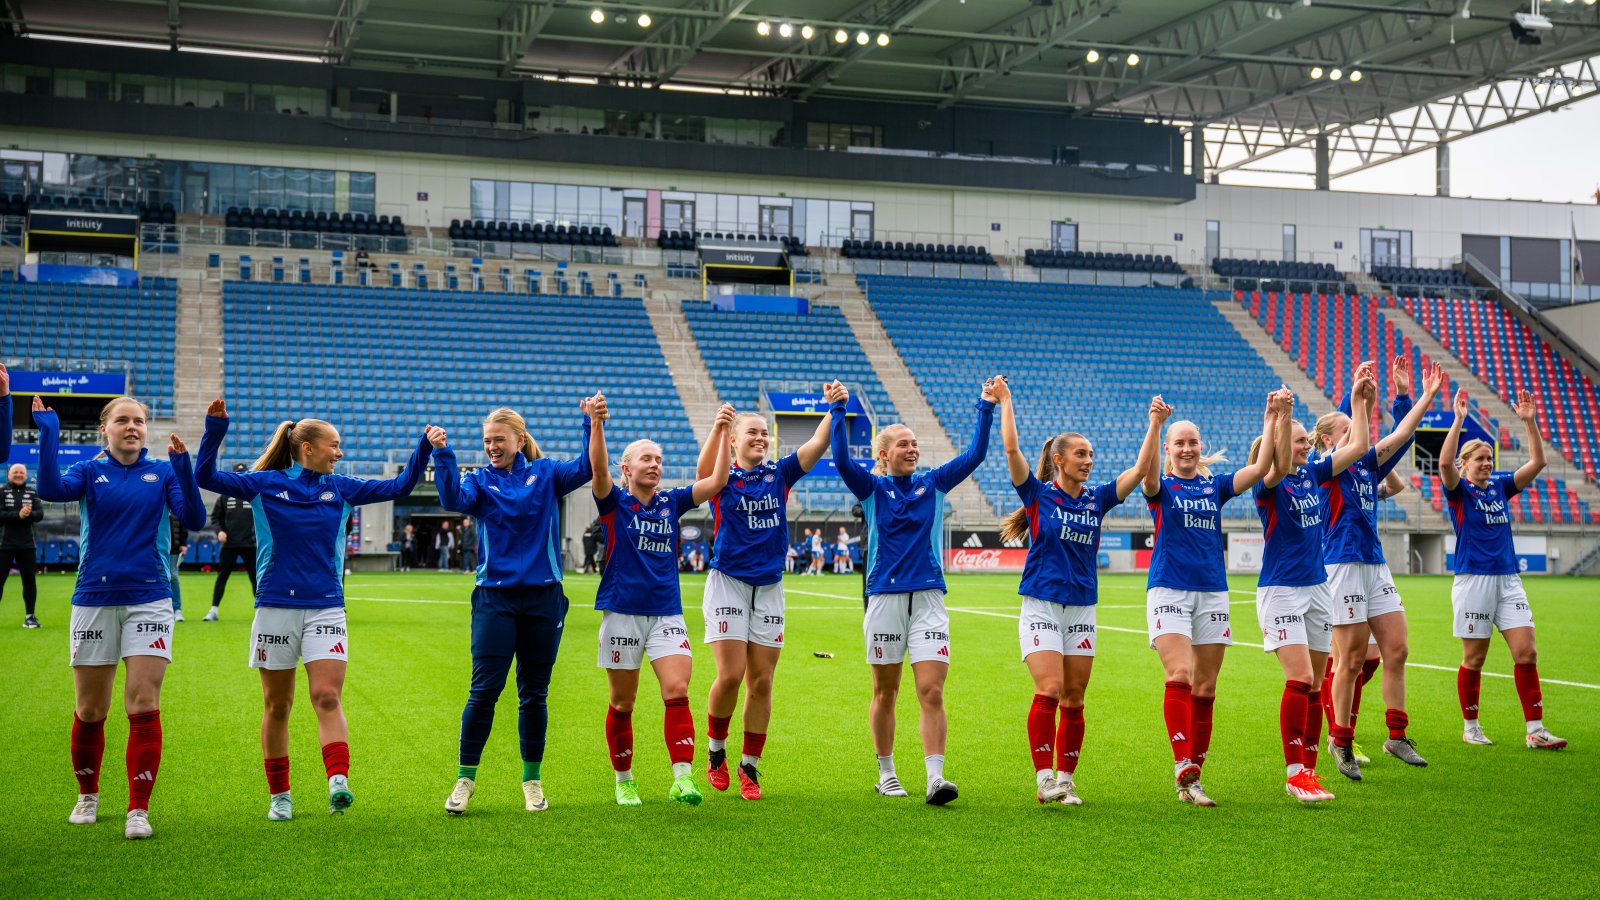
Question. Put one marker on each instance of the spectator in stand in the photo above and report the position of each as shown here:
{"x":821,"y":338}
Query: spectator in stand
{"x":363,"y":261}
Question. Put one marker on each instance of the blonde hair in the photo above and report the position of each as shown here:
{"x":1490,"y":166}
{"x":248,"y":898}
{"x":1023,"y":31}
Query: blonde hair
{"x":1471,"y":447}
{"x":1324,"y":428}
{"x":105,"y":413}
{"x":1206,"y":461}
{"x":1015,"y":526}
{"x":629,"y":453}
{"x":880,"y":445}
{"x":284,"y":446}
{"x":508,"y":417}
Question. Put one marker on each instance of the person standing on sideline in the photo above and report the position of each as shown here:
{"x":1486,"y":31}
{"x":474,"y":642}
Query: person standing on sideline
{"x":235,"y":521}
{"x":178,"y":549}
{"x":592,"y":539}
{"x":20,"y":509}
{"x":444,"y":540}
{"x":408,"y":547}
{"x":469,"y":545}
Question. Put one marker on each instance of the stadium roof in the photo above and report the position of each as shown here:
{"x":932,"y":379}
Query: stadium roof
{"x":1244,"y":70}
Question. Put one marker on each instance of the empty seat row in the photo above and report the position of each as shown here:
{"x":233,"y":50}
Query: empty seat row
{"x":914,"y":252}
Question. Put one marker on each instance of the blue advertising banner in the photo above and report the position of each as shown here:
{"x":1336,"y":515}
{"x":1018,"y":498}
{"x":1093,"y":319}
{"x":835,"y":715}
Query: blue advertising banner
{"x":785,"y":402}
{"x":92,"y":384}
{"x":796,"y":417}
{"x":28,"y":454}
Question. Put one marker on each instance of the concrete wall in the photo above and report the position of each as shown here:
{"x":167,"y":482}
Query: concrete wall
{"x":1581,"y":322}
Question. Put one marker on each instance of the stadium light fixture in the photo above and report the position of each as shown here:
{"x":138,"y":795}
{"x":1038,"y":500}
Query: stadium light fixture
{"x":1133,"y":59}
{"x":1588,"y":2}
{"x":863,"y":38}
{"x":785,"y":30}
{"x":1335,"y":74}
{"x":644,"y":20}
{"x":807,"y":32}
{"x":1355,"y":75}
{"x":1093,"y":56}
{"x":1316,"y":72}
{"x":883,"y":40}
{"x":763,"y":28}
{"x":841,"y":36}
{"x":597,"y":16}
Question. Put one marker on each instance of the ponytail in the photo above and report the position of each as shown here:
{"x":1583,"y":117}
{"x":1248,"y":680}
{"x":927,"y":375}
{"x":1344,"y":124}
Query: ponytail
{"x":1324,"y":429}
{"x":509,"y":418}
{"x":1255,"y":450}
{"x":1016,"y":526}
{"x":283,"y":448}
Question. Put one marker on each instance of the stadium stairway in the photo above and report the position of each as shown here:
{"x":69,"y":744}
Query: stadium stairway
{"x":967,"y":504}
{"x":690,"y":376}
{"x":197,"y":373}
{"x":1298,"y":381}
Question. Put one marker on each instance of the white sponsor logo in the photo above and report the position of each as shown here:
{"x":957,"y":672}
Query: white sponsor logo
{"x":972,"y":541}
{"x":975,"y":559}
{"x":102,"y":480}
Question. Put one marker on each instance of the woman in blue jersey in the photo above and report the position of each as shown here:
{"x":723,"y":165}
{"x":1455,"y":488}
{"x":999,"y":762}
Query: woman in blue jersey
{"x":1293,"y":605}
{"x":743,"y":602}
{"x":1187,"y":596}
{"x":518,"y":605}
{"x":1061,"y":517}
{"x":122,"y":604}
{"x":639,"y":599}
{"x":1366,"y":603}
{"x":1487,"y":594}
{"x":905,"y":615}
{"x":302,"y":512}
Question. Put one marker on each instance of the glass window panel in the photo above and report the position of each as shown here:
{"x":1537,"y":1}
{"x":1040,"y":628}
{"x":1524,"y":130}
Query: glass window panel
{"x":566,"y":201}
{"x":749,"y":214}
{"x":521,"y":202}
{"x":589,"y":204}
{"x":482,"y":199}
{"x":502,"y":200}
{"x":544,"y":202}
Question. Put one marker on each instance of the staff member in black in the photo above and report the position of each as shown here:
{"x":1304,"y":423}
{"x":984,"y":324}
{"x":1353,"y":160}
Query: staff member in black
{"x":19,"y":509}
{"x":236,"y":531}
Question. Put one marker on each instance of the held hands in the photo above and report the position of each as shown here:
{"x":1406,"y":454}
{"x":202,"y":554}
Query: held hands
{"x":1525,"y":407}
{"x":1400,"y":374}
{"x":1460,"y":404}
{"x":1366,"y":383}
{"x":835,"y":393}
{"x":724,"y":419}
{"x":595,"y":407}
{"x":176,"y":446}
{"x":26,"y":510}
{"x":218,"y":409}
{"x":38,"y":404}
{"x":436,"y":436}
{"x":1433,"y":380}
{"x":5,"y":382}
{"x":997,"y":389}
{"x":1159,"y":410}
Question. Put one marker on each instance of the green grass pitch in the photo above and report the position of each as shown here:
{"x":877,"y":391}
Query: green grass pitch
{"x":1480,"y":821}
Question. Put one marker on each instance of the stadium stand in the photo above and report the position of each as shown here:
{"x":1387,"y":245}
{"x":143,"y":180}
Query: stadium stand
{"x":1098,"y":261}
{"x":1508,"y":356}
{"x":295,"y":228}
{"x":380,"y":363}
{"x":153,"y":213}
{"x":925,"y":253}
{"x":78,"y":322}
{"x":1406,"y":280}
{"x":743,"y":349}
{"x":1275,"y":275}
{"x":1078,"y":357}
{"x":673,"y":239}
{"x":532,"y":233}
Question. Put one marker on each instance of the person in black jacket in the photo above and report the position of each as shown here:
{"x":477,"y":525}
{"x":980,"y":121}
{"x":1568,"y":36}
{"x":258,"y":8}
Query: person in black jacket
{"x":175,"y":554}
{"x":235,"y":522}
{"x":593,"y":539}
{"x":19,"y":509}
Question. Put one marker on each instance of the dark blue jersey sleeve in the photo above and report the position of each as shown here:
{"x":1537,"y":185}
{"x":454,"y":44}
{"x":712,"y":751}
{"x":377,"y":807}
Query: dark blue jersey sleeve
{"x":241,"y":485}
{"x":855,"y":478}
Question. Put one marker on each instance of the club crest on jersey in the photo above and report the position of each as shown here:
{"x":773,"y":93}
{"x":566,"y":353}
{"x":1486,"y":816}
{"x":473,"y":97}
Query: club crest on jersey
{"x":768,"y":478}
{"x":326,"y":495}
{"x":530,"y":481}
{"x":1306,"y":484}
{"x":151,"y":476}
{"x":920,"y":491}
{"x":1205,"y":490}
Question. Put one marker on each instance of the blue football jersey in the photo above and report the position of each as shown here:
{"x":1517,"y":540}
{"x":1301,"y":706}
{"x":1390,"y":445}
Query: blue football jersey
{"x":1064,"y":541}
{"x":1190,"y":551}
{"x":750,"y":524}
{"x":1482,"y":521}
{"x":641,"y":572}
{"x":1291,"y":514}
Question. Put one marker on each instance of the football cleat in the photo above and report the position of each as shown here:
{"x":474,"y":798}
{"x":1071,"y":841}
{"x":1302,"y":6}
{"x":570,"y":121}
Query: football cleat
{"x":1187,"y":773}
{"x":30,"y":621}
{"x":1196,"y":793}
{"x":941,"y":792}
{"x":717,"y":769}
{"x":280,"y":808}
{"x":533,"y":796}
{"x":1345,"y":758}
{"x":749,"y":782}
{"x":1473,"y":734}
{"x":87,"y":811}
{"x":339,"y":796}
{"x":1405,"y":750}
{"x":138,"y":827}
{"x":211,"y":616}
{"x":1051,"y":790}
{"x":1360,"y":755}
{"x":684,"y":791}
{"x":456,"y":803}
{"x":1070,"y":798}
{"x":1302,"y":788}
{"x":628,"y":793}
{"x":1542,"y":739}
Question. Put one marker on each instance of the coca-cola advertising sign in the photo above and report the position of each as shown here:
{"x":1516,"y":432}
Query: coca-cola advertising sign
{"x":963,"y":559}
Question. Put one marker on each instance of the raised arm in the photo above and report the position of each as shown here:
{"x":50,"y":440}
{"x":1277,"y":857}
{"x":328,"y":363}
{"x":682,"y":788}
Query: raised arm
{"x":1149,"y":451}
{"x":1246,"y":478}
{"x":708,"y":450}
{"x":1283,"y":434}
{"x":1449,"y":475}
{"x":1408,"y":416}
{"x":810,"y":453}
{"x":1362,"y":395}
{"x":454,"y":493}
{"x":360,"y":491}
{"x":599,"y":462}
{"x":575,"y":473}
{"x":183,"y":495}
{"x":1527,"y":412}
{"x":957,"y":470}
{"x":1393,"y":486}
{"x":1011,"y":441}
{"x":233,"y":484}
{"x":53,"y":485}
{"x":858,"y":481}
{"x":711,"y":485}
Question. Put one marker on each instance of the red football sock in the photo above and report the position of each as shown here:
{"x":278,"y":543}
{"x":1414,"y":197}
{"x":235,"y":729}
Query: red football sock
{"x":717,"y":727}
{"x":1200,"y":728}
{"x":1341,"y":734}
{"x":88,"y":749}
{"x":1526,"y":677}
{"x":1175,"y":707}
{"x":1467,"y":683}
{"x":1397,"y":721}
{"x":143,"y":757}
{"x":1313,"y":730}
{"x":1292,"y":721}
{"x":1041,"y":729}
{"x":1327,"y":692}
{"x":1069,"y":739}
{"x":278,"y":775}
{"x":1368,"y":667}
{"x":336,"y":758}
{"x":678,"y":728}
{"x":754,"y":743}
{"x":619,"y":738}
